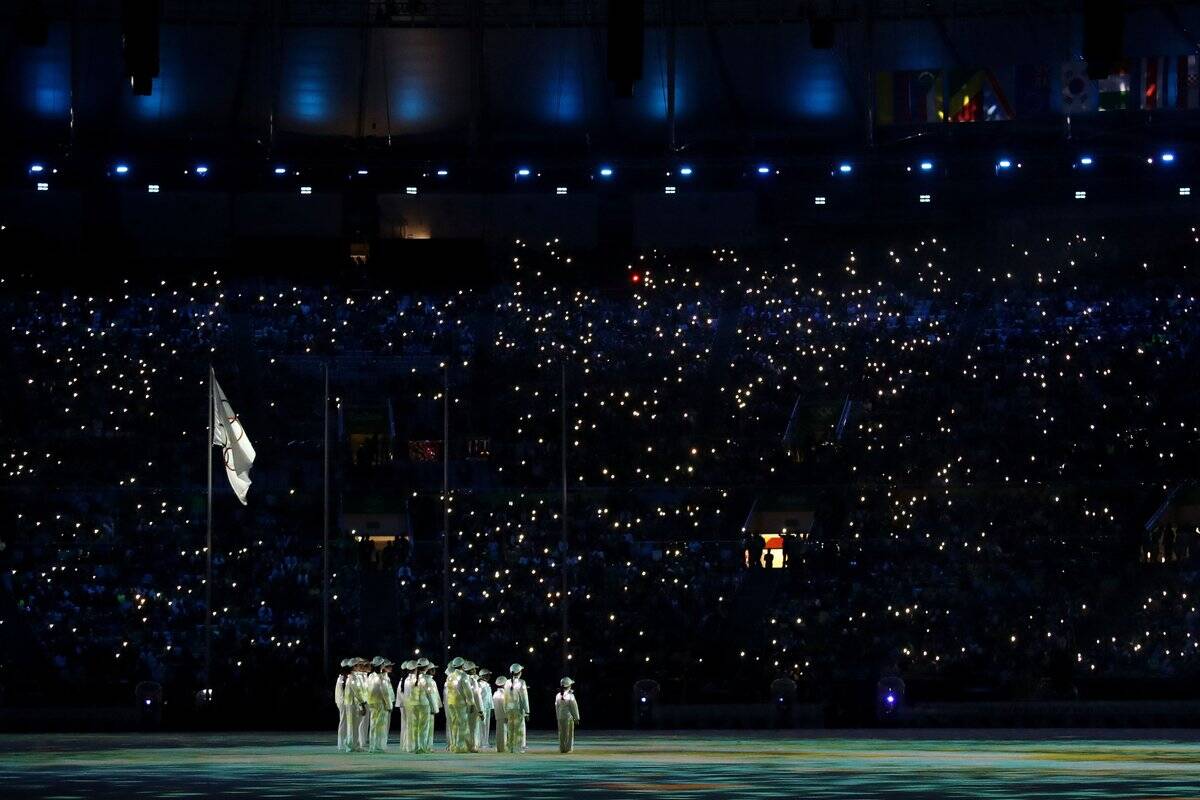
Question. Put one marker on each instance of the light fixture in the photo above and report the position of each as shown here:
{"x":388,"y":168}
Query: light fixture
{"x":201,"y":170}
{"x":763,"y":169}
{"x":305,"y":190}
{"x":152,"y":188}
{"x":1086,"y":161}
{"x":1167,"y":157}
{"x":121,"y":169}
{"x":280,"y":171}
{"x":685,"y":171}
{"x":606,"y":172}
{"x":410,"y":190}
{"x":43,"y":187}
{"x":669,"y":190}
{"x":1003,"y":163}
{"x":819,"y":200}
{"x":560,"y":190}
{"x":1185,"y":191}
{"x":37,"y":168}
{"x":1080,"y":194}
{"x":443,"y":173}
{"x":924,"y":198}
{"x":523,"y":172}
{"x":845,"y":169}
{"x":926,"y":166}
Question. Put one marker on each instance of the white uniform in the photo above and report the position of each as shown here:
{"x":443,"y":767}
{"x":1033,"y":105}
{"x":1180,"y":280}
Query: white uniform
{"x":518,"y":711}
{"x":566,"y":709}
{"x":485,"y":708}
{"x":459,"y":711}
{"x":356,"y":719}
{"x":473,"y":714}
{"x":339,"y":700}
{"x":380,"y":700}
{"x":404,"y":702}
{"x":428,"y":709}
{"x":498,"y":702}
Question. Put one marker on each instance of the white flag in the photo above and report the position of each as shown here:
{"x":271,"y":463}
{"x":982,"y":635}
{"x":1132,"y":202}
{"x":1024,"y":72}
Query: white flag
{"x":236,"y":451}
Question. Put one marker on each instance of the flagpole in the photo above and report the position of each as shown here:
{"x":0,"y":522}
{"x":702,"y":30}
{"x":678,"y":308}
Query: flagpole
{"x":446,"y":512}
{"x":208,"y":544}
{"x":325,"y":543}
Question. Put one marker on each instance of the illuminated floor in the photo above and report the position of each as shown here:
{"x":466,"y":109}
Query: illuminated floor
{"x":1132,"y":765}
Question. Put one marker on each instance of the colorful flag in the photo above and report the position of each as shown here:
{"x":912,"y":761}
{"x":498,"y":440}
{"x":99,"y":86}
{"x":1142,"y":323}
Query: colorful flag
{"x":1154,"y":83}
{"x":907,"y":97}
{"x":976,"y":97}
{"x":1079,"y":92}
{"x":1187,"y":82}
{"x":1032,"y":95}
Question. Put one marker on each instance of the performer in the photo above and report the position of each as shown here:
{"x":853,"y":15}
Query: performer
{"x":381,"y":698}
{"x":339,"y":699}
{"x":518,"y":710}
{"x":499,"y":700}
{"x":404,"y":688}
{"x":356,"y":704}
{"x":456,"y":712}
{"x":475,"y":712}
{"x":566,"y":709}
{"x":485,"y":708}
{"x":429,"y":692}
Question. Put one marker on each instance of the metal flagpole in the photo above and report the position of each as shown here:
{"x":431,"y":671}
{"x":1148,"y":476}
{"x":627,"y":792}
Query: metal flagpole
{"x":325,"y":542}
{"x":446,"y":512}
{"x":563,"y":549}
{"x":208,"y":541}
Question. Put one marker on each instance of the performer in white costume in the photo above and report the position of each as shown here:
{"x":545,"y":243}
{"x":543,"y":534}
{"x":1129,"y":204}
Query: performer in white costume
{"x":485,"y":709}
{"x":475,"y":711}
{"x":339,"y":699}
{"x":517,"y":710}
{"x":381,"y":699}
{"x":403,"y":688}
{"x":356,"y":704}
{"x":429,"y":691}
{"x":499,"y":700}
{"x":566,"y":710}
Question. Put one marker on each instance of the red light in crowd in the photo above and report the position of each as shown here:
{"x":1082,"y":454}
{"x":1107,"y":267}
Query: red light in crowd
{"x":635,"y":277}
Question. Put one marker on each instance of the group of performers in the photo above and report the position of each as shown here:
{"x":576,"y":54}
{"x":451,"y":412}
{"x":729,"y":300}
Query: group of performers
{"x":365,"y":698}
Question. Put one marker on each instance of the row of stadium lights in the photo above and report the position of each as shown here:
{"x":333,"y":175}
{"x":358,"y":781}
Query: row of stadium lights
{"x":607,"y":173}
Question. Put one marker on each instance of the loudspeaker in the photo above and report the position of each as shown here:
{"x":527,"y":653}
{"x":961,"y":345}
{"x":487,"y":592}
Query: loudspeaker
{"x":1103,"y":36}
{"x":821,"y":33}
{"x":139,"y":41}
{"x":626,"y":25}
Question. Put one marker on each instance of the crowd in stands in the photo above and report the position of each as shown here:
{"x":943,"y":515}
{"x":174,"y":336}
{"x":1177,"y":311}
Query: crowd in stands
{"x":981,"y":440}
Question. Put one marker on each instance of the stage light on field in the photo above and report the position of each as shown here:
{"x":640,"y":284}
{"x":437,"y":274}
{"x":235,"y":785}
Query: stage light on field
{"x":685,"y":171}
{"x":926,"y":166}
{"x":1185,"y":191}
{"x":441,"y":173}
{"x":201,"y":170}
{"x":362,"y":172}
{"x":845,"y":169}
{"x":669,"y":190}
{"x":523,"y":172}
{"x":1080,"y":195}
{"x":819,"y":200}
{"x":43,"y":187}
{"x":1167,"y":157}
{"x":924,"y":198}
{"x":606,"y":172}
{"x":1085,"y":161}
{"x":410,"y":190}
{"x":281,"y":171}
{"x":121,"y":169}
{"x":763,"y":169}
{"x":1003,"y":163}
{"x":305,"y":190}
{"x":152,"y":188}
{"x":37,"y":169}
{"x":560,"y":190}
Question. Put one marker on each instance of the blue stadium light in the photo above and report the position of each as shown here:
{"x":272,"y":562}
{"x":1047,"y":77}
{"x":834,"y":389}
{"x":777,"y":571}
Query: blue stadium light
{"x":201,"y":170}
{"x":280,"y":171}
{"x":443,"y":173}
{"x":1003,"y":163}
{"x":926,"y":166}
{"x":606,"y":172}
{"x":763,"y":169}
{"x":1086,"y":161}
{"x":523,"y":172}
{"x":1167,"y":157}
{"x":891,"y":699}
{"x":685,"y":171}
{"x":845,"y":169}
{"x":122,"y":169}
{"x":37,"y":168}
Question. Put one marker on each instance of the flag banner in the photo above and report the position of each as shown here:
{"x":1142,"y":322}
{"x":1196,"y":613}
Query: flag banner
{"x":1187,"y":82}
{"x":1032,"y":90}
{"x":907,"y":97}
{"x":1115,"y":92}
{"x":1154,"y":83}
{"x":236,"y":451}
{"x":1079,"y":92}
{"x":976,"y":96}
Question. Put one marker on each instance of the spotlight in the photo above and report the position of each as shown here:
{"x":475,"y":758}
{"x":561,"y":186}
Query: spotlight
{"x":606,"y":172}
{"x":362,"y":172}
{"x":1167,"y":157}
{"x":523,"y":172}
{"x":1003,"y":163}
{"x":443,"y":173}
{"x":685,"y":171}
{"x":763,"y":169}
{"x":281,"y":171}
{"x":152,"y":188}
{"x":819,"y":200}
{"x":37,"y":168}
{"x":1080,"y":195}
{"x":201,"y":170}
{"x":43,"y":187}
{"x":926,"y":166}
{"x":1085,"y":161}
{"x":560,"y":190}
{"x":845,"y":169}
{"x":924,"y":198}
{"x":122,"y":169}
{"x":410,"y":190}
{"x":305,"y":190}
{"x":1185,"y":191}
{"x":669,"y":189}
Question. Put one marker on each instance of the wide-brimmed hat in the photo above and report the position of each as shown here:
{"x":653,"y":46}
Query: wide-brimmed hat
{"x":354,"y":662}
{"x":515,"y":668}
{"x":469,"y":666}
{"x":345,"y":662}
{"x":455,"y":663}
{"x":378,"y":661}
{"x":566,"y":683}
{"x":485,"y":672}
{"x":422,"y":663}
{"x":502,"y":681}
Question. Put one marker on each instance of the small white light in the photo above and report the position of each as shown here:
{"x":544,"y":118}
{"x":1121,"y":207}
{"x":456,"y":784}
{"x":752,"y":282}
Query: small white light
{"x":443,"y":173}
{"x":819,"y":200}
{"x":410,"y":190}
{"x":202,"y":170}
{"x":362,"y":172}
{"x":305,"y":190}
{"x":1185,"y":191}
{"x":280,"y":171}
{"x":152,"y":188}
{"x":669,"y":189}
{"x":685,"y":171}
{"x":43,"y":187}
{"x":1086,"y":161}
{"x":926,"y":166}
{"x":924,"y":199}
{"x":560,"y":190}
{"x":1080,"y":195}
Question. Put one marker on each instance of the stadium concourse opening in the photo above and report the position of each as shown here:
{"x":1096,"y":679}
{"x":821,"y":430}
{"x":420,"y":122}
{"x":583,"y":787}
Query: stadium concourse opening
{"x":444,"y":398}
